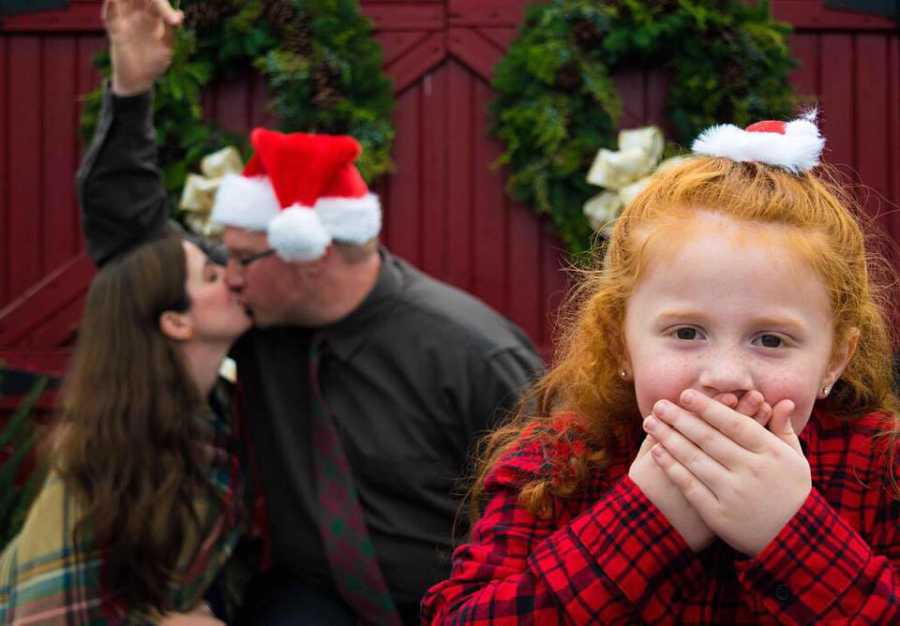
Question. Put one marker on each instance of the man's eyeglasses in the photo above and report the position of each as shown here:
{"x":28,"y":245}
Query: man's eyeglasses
{"x":247,"y":260}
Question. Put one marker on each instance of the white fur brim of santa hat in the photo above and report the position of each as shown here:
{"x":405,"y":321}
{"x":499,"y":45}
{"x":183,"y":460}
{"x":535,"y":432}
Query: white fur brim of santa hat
{"x":296,"y":232}
{"x":795,"y":146}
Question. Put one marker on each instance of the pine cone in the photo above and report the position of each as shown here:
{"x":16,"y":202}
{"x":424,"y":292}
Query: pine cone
{"x":587,"y":35}
{"x":569,"y":76}
{"x":298,"y":40}
{"x":325,"y":85}
{"x":203,"y":15}
{"x":279,"y":13}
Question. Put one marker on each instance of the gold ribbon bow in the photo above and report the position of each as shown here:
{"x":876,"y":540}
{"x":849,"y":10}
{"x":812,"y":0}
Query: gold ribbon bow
{"x":199,"y":192}
{"x":624,"y":173}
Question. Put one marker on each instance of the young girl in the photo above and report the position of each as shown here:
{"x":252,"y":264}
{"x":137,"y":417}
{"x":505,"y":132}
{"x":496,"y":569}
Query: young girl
{"x":734,"y":321}
{"x":143,"y":504}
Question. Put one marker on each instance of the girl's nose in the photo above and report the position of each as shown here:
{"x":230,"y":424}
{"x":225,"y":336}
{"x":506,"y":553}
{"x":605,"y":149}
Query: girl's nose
{"x":725,"y":372}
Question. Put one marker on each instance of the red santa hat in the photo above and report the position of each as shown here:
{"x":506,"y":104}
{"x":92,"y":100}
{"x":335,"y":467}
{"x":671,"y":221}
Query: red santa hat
{"x":794,"y":146}
{"x":303,"y":191}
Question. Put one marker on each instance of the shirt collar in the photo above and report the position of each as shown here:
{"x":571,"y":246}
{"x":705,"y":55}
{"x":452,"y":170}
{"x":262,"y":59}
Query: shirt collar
{"x":348,"y":335}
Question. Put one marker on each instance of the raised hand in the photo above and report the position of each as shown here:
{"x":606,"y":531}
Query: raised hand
{"x":744,"y":480}
{"x":659,"y":489}
{"x":141,"y":40}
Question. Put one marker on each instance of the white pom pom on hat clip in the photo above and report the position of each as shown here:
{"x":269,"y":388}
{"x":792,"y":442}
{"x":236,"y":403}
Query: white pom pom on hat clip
{"x":794,"y":146}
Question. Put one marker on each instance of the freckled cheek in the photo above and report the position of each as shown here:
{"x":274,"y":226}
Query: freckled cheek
{"x":664,"y":381}
{"x":786,"y":386}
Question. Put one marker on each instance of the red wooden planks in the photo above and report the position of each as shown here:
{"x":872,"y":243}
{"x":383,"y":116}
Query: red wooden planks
{"x":436,"y":99}
{"x":403,"y":215}
{"x":5,"y":211}
{"x":61,"y":228}
{"x":892,"y":131}
{"x":836,"y":97}
{"x":25,"y":166}
{"x":53,"y":293}
{"x":478,"y":52}
{"x":871,"y":112}
{"x":412,"y":65}
{"x":490,"y":210}
{"x":460,"y":172}
{"x":806,"y":77}
{"x":524,"y":294}
{"x":812,"y":15}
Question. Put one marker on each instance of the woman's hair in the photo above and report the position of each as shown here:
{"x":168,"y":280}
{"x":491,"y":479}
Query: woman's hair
{"x":128,"y":433}
{"x":820,"y":224}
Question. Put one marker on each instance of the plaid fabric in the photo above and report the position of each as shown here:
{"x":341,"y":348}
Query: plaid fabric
{"x":608,"y":556}
{"x":45,"y":578}
{"x":345,"y":536}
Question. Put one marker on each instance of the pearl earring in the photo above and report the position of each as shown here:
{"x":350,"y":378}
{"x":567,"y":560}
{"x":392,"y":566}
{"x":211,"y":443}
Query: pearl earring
{"x":623,"y":374}
{"x":826,"y":390}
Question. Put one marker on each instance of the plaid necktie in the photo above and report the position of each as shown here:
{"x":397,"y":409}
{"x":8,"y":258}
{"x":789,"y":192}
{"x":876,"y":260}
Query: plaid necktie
{"x":345,"y":537}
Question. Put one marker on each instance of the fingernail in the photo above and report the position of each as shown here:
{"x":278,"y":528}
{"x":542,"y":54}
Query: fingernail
{"x":688,"y":396}
{"x":650,"y":423}
{"x":661,"y":407}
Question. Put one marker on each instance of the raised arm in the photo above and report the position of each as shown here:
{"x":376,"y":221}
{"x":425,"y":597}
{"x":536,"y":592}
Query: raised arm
{"x":120,"y":188}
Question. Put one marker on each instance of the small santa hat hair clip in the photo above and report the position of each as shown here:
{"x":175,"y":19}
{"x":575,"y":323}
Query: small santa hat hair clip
{"x":794,"y":146}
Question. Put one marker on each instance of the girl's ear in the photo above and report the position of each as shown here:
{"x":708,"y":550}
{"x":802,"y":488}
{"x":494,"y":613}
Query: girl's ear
{"x":177,"y":326}
{"x":841,"y":356}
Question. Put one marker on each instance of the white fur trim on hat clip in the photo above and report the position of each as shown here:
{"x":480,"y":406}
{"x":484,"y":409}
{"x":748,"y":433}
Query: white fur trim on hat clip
{"x":797,"y":149}
{"x":297,"y":234}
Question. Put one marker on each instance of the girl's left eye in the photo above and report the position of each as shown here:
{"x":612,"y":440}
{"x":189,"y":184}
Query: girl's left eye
{"x":769,"y":340}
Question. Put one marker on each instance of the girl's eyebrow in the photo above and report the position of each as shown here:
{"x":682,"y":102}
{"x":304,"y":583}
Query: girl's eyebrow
{"x":782,"y":320}
{"x":676,"y":315}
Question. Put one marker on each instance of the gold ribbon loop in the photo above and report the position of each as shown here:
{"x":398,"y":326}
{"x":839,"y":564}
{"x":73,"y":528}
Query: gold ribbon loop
{"x":199,"y":192}
{"x":624,"y":173}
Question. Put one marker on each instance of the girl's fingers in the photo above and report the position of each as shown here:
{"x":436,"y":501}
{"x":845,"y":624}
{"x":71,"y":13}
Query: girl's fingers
{"x":782,"y":426}
{"x":648,"y":443}
{"x":735,"y":426}
{"x":764,"y":414}
{"x":694,"y":490}
{"x":750,"y":403}
{"x":689,"y":444}
{"x":728,"y":399}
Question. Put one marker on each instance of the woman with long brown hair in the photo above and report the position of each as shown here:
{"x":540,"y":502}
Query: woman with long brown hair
{"x":143,"y":502}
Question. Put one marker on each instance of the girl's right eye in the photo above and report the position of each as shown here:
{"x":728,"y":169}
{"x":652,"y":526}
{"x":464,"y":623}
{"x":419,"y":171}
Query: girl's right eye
{"x":686,"y":333}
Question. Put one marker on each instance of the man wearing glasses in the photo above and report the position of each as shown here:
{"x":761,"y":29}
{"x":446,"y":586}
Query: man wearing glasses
{"x":359,"y":366}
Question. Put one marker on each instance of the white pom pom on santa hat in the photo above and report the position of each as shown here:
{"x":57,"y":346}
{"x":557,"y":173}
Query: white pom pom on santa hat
{"x":303,"y":191}
{"x":794,"y":146}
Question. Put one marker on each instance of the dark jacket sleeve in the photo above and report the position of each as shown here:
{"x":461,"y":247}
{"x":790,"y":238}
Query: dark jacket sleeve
{"x":507,"y":374}
{"x":123,"y":201}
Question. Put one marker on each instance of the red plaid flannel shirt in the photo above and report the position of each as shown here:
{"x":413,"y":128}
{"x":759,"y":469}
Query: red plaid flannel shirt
{"x":608,"y":556}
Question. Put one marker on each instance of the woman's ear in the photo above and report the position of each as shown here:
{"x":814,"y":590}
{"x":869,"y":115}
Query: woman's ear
{"x":177,"y":326}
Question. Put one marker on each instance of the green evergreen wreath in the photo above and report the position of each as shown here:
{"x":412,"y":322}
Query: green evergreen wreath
{"x":322,"y":67}
{"x":727,"y":61}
